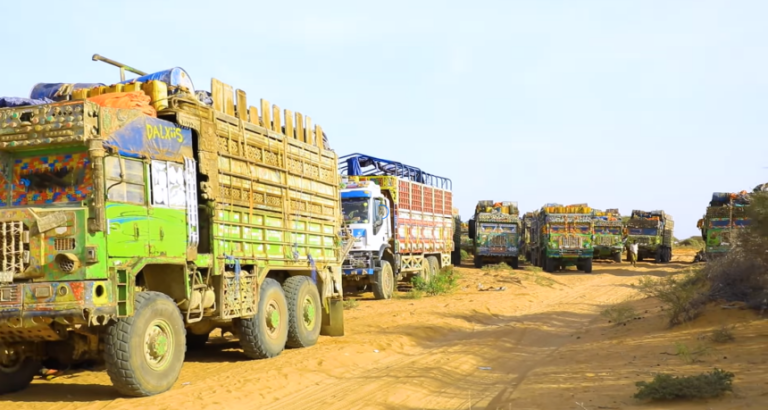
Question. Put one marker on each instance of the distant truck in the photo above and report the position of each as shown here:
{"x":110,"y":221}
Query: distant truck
{"x":401,"y":219}
{"x":653,"y":232}
{"x":527,"y":235}
{"x":609,"y":235}
{"x":457,"y":234}
{"x":561,"y":236}
{"x":725,"y":215}
{"x":494,"y":231}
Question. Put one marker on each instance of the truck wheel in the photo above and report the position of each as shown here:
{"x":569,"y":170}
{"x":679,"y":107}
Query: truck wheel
{"x":18,"y":376}
{"x":617,"y":257}
{"x":144,"y":353}
{"x":304,"y":311}
{"x":515,"y":263}
{"x":587,"y":265}
{"x":264,"y":335}
{"x":385,"y":282}
{"x":196,"y":342}
{"x":549,"y":265}
{"x":434,"y":267}
{"x":478,"y":262}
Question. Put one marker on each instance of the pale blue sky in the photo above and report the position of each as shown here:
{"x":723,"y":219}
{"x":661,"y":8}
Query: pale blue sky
{"x":628,"y":104}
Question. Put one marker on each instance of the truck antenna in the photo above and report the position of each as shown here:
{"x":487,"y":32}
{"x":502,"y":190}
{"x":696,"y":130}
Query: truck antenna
{"x":123,"y":68}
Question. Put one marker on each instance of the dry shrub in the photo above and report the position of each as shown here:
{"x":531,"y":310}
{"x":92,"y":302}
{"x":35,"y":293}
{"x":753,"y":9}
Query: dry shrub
{"x":619,"y":314}
{"x":702,"y":386}
{"x":684,"y":295}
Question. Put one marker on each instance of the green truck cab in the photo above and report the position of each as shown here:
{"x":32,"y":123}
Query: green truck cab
{"x":724,"y":217}
{"x":131,"y":233}
{"x":653,"y":232}
{"x":609,"y":235}
{"x":562,"y":236}
{"x":494,"y":231}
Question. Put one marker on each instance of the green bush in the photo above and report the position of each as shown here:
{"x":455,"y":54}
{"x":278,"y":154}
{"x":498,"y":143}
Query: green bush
{"x":684,"y":296}
{"x":351,"y":304}
{"x":464,"y":255}
{"x":619,"y":314}
{"x":692,"y":242}
{"x":445,"y":281}
{"x":702,"y":386}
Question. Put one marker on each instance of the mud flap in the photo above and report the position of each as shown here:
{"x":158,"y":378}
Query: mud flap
{"x":333,"y":319}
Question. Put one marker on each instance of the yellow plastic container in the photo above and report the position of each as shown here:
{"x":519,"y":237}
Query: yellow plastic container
{"x":158,"y":92}
{"x":93,"y":92}
{"x":80,"y":94}
{"x":115,"y":88}
{"x":131,"y":87}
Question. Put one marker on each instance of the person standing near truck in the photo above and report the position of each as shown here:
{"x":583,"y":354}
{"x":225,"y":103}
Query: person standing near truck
{"x":633,"y":249}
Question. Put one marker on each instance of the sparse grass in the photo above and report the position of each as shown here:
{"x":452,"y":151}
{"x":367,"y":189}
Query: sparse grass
{"x":412,"y":294}
{"x":496,"y":267}
{"x":724,"y":334}
{"x":702,"y":386}
{"x":465,"y":255}
{"x":689,"y":356}
{"x":350,"y":304}
{"x":619,"y":314}
{"x":535,"y":273}
{"x":684,"y":295}
{"x":444,"y":282}
{"x":694,"y":242}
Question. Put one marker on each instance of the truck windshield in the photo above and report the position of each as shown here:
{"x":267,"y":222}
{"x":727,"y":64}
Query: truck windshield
{"x":607,"y":230}
{"x":50,"y":179}
{"x":580,"y":228}
{"x":741,"y":222}
{"x":355,"y":210}
{"x":720,"y":223}
{"x":643,"y":231}
{"x":486,"y":228}
{"x":557,"y":228}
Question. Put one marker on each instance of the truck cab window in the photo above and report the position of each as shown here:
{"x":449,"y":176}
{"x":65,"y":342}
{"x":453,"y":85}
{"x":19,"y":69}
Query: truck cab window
{"x":129,"y":188}
{"x":379,"y":212}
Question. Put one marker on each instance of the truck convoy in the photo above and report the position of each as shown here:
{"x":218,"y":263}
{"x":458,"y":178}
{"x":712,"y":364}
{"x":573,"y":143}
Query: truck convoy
{"x":609,"y":235}
{"x":494,"y":231}
{"x":139,"y":216}
{"x":653,"y":233}
{"x":561,"y":236}
{"x":725,"y":215}
{"x":401,"y":220}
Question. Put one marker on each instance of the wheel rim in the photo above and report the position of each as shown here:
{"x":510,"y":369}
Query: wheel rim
{"x":272,"y":316}
{"x":13,"y":367}
{"x":388,"y":281}
{"x":309,"y":312}
{"x":158,"y":344}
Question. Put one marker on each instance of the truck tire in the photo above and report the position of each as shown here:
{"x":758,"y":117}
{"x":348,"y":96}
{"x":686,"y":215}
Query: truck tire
{"x":18,"y":376}
{"x":478,"y":262}
{"x":384,"y":279}
{"x":617,"y":257}
{"x":304,"y":311}
{"x":515,"y":263}
{"x":549,"y":265}
{"x":587,"y":265}
{"x":135,"y":368}
{"x":196,"y":342}
{"x":264,"y":335}
{"x":434,"y":266}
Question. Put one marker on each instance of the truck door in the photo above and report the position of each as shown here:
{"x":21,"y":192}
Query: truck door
{"x":126,"y":208}
{"x":167,"y":216}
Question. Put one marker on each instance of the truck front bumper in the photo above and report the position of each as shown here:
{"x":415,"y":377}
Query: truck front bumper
{"x":358,"y":263}
{"x":570,"y":253}
{"x":72,"y":302}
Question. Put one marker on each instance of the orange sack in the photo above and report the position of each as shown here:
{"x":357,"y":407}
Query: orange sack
{"x":136,"y":100}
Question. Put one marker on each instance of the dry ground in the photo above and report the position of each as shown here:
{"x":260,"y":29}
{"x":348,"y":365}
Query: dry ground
{"x":540,"y":344}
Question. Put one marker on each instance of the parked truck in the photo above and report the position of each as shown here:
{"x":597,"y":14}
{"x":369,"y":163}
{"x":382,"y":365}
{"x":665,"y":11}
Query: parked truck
{"x":457,"y":234}
{"x":527,"y":235}
{"x":724,"y":217}
{"x":494,"y":230}
{"x":401,"y":220}
{"x":609,"y":235}
{"x":562,"y":237}
{"x":653,"y":233}
{"x":131,"y":230}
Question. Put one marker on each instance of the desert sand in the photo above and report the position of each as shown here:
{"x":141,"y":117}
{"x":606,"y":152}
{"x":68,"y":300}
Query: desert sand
{"x":539,"y":344}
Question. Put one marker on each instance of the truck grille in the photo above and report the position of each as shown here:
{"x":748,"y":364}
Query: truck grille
{"x":606,"y":240}
{"x":642,"y":240}
{"x":497,"y":240}
{"x":14,"y":238}
{"x":570,"y":242}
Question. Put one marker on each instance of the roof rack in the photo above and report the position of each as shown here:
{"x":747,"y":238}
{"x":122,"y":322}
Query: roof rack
{"x":365,"y":165}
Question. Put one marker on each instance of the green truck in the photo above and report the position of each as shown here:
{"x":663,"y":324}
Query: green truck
{"x":494,"y":230}
{"x":653,"y":232}
{"x":131,"y":233}
{"x":561,"y":236}
{"x":609,"y":235}
{"x":526,"y":222}
{"x":724,"y":217}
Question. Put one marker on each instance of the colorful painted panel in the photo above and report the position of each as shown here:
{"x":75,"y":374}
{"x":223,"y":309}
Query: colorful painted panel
{"x":50,"y":179}
{"x":145,"y":136}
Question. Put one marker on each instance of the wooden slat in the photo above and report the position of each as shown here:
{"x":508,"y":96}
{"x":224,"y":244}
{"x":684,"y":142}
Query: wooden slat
{"x":308,"y":130}
{"x":276,"y":118}
{"x":253,"y":114}
{"x":289,"y":123}
{"x":217,"y":94}
{"x":226,"y":97}
{"x":319,"y":136}
{"x":300,"y":127}
{"x":242,"y":103}
{"x":266,"y":121}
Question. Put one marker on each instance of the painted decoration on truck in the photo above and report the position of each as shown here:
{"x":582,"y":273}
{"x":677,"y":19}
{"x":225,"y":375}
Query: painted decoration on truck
{"x":143,"y":136}
{"x":49,"y":179}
